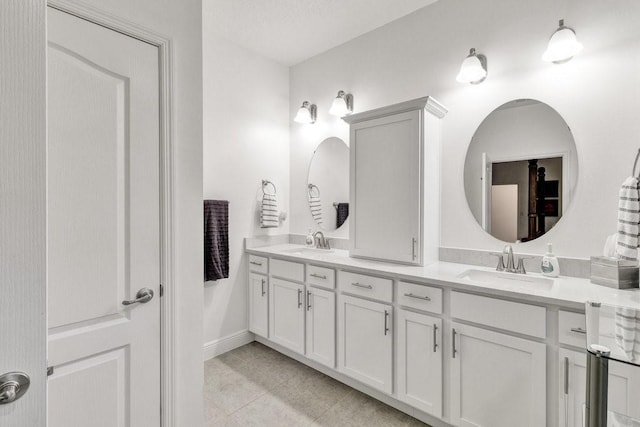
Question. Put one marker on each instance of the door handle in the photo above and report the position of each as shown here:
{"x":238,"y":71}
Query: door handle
{"x":143,"y":296}
{"x":299,"y":298}
{"x":453,"y":343}
{"x":12,"y":386}
{"x":386,"y":322}
{"x":308,"y":300}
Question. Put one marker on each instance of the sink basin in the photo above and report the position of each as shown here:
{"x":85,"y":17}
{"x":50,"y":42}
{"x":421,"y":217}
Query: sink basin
{"x":509,"y":279}
{"x":306,"y":251}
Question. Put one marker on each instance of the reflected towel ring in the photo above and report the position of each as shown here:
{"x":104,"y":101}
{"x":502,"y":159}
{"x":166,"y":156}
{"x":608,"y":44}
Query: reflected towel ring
{"x":311,"y":188}
{"x":266,"y":182}
{"x":633,"y":172}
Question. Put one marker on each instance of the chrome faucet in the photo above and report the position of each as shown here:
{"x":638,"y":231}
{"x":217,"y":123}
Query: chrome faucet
{"x":320,"y":241}
{"x":511,"y":267}
{"x":511,"y":262}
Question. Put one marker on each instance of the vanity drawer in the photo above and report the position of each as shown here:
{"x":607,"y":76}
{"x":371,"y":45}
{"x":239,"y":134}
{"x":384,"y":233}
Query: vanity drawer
{"x":287,"y":270}
{"x":508,"y":315}
{"x":420,"y":297}
{"x":321,"y":276}
{"x":258,"y":264}
{"x":572,"y":328}
{"x":368,"y":286}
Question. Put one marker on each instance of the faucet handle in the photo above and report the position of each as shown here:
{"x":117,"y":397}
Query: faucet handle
{"x":520,"y":269}
{"x":500,"y":266}
{"x":327,"y":243}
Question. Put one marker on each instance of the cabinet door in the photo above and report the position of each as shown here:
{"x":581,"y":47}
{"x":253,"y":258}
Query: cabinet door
{"x":365,"y":342}
{"x":258,"y":304}
{"x":419,"y":361}
{"x":497,"y":380}
{"x":321,"y":326}
{"x":286,"y":314}
{"x":386,"y":190}
{"x":624,"y":388}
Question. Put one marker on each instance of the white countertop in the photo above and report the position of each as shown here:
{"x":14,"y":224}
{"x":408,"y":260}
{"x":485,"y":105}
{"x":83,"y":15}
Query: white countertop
{"x":566,"y":292}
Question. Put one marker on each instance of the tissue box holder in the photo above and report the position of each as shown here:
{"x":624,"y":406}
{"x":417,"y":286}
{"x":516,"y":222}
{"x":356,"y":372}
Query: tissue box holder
{"x":614,"y":272}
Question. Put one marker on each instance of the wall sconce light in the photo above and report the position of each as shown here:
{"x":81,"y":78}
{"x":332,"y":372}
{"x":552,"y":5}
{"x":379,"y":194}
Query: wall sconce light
{"x":342,"y":104}
{"x":307,"y":113}
{"x":473,"y":69}
{"x":563,"y":45}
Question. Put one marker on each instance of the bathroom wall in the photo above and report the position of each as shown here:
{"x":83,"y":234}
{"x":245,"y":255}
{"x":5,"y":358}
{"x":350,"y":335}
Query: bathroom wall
{"x":180,"y":20}
{"x":246,"y":139}
{"x":597,"y":93}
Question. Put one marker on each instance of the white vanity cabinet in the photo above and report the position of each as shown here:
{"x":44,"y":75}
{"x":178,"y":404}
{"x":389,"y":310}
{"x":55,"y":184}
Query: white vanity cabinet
{"x":497,"y":380}
{"x":624,"y":388}
{"x":365,"y":342}
{"x":419,"y":361}
{"x":286,"y":314}
{"x":321,"y":326}
{"x":394,"y":155}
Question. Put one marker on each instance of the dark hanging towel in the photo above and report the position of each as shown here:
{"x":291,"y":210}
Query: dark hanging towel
{"x":216,"y":239}
{"x":342,"y":214}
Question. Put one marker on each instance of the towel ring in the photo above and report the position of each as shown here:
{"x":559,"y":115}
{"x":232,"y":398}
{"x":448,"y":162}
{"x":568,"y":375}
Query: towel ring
{"x":311,"y":188}
{"x":266,"y":182}
{"x":633,"y":172}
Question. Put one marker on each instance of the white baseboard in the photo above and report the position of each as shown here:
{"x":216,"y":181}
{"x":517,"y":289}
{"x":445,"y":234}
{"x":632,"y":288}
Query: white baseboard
{"x":222,"y":345}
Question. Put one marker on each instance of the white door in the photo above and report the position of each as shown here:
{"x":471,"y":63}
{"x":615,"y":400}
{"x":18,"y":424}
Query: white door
{"x":321,"y":326}
{"x":103,"y":226}
{"x":419,"y":363}
{"x":624,"y":388}
{"x":487,"y":183}
{"x":22,"y":207}
{"x":497,"y":380}
{"x":286,"y":314}
{"x":258,"y":304}
{"x":386,"y":190}
{"x":504,"y":212}
{"x":365,"y":343}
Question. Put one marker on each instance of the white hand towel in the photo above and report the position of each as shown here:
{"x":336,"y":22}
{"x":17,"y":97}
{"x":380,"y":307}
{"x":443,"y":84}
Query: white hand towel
{"x":316,"y":208}
{"x":269,"y":211}
{"x":628,"y":219}
{"x":628,"y":332}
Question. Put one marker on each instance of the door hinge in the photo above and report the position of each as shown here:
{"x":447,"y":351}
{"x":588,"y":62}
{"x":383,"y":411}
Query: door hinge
{"x":161,"y":291}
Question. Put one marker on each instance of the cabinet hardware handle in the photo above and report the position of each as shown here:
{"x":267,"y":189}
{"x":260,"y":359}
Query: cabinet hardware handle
{"x":360,"y":285}
{"x":319,"y":276}
{"x":578,"y":330}
{"x":299,"y":298}
{"x":566,"y":375}
{"x":413,"y":247}
{"x":386,"y":320}
{"x":435,"y":344}
{"x":263,"y":291}
{"x":410,"y":295}
{"x":255,"y":263}
{"x":308,"y":300}
{"x":453,"y":342}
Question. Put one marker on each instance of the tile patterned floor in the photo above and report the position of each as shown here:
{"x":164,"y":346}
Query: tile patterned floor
{"x":256,"y":386}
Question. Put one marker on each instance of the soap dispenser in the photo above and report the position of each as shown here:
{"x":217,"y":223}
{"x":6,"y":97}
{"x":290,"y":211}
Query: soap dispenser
{"x":309,"y":240}
{"x":550,"y":266}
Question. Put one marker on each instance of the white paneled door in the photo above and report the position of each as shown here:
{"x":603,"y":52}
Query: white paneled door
{"x":103,"y":226}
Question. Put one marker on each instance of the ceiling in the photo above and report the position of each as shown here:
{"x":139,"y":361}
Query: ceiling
{"x":291,"y":31}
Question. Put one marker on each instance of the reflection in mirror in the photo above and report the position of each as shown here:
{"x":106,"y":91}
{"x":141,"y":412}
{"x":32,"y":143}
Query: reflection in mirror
{"x":521,"y":170}
{"x":328,"y":184}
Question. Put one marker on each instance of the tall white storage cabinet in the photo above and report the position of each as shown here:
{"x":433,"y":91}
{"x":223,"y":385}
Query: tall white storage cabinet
{"x":394,"y":172}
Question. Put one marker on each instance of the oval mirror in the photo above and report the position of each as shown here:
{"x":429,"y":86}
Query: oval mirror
{"x":328,"y":184}
{"x":521,"y":170}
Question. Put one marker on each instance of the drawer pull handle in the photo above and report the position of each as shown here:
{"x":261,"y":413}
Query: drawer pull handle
{"x":308,"y":300}
{"x":566,"y":375}
{"x":256,"y":263}
{"x":386,"y":322}
{"x":299,"y":298}
{"x":410,"y":295}
{"x":360,"y":285}
{"x":263,"y":291}
{"x":319,"y":276}
{"x":435,"y":343}
{"x":453,"y":342}
{"x":578,"y":330}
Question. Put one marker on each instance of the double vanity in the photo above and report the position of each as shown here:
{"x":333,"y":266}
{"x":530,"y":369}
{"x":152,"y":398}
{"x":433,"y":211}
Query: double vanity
{"x":450,"y":344}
